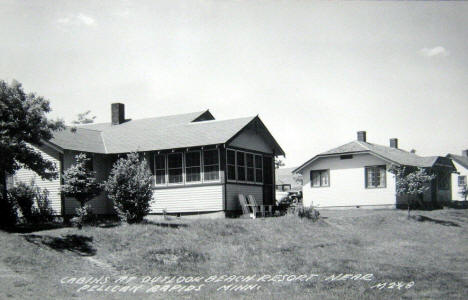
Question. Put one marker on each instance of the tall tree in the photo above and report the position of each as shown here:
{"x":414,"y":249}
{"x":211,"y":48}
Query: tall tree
{"x":23,"y":122}
{"x":412,"y":182}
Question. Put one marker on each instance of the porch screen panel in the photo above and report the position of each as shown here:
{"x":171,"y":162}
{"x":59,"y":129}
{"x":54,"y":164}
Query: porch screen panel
{"x":160,"y":168}
{"x":231,"y":164}
{"x":240,"y":166}
{"x":258,"y":169}
{"x":250,"y":167}
{"x":210,"y":165}
{"x":174,"y":164}
{"x":193,"y":166}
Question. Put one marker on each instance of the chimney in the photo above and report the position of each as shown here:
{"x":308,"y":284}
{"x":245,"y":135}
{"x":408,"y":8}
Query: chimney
{"x":394,"y":143}
{"x":465,"y":153}
{"x":361,"y":136}
{"x":118,"y":113}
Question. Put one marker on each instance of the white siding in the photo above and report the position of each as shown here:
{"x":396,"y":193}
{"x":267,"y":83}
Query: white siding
{"x":250,"y":139}
{"x":188,"y":199}
{"x":53,"y":186}
{"x":455,"y":188}
{"x":233,"y":191}
{"x":347,"y":183}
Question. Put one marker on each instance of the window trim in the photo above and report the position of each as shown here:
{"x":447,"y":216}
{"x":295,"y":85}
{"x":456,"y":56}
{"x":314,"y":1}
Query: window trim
{"x":203,"y":166}
{"x":245,"y":166}
{"x":183,"y":169}
{"x":464,"y":180}
{"x":320,"y":176}
{"x":255,"y":168}
{"x":366,"y":181}
{"x":166,"y":173}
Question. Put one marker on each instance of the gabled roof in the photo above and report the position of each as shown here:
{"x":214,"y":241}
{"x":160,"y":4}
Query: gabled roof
{"x":161,"y":133}
{"x":462,"y":160}
{"x":389,"y":154}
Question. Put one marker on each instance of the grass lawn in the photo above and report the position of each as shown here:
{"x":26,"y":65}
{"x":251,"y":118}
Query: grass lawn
{"x":384,"y":243}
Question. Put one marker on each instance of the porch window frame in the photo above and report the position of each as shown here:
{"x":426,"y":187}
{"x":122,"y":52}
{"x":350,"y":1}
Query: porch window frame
{"x":185,"y":167}
{"x":255,"y":168}
{"x":166,"y":173}
{"x":236,"y":167}
{"x":203,"y":165}
{"x":182,"y":167}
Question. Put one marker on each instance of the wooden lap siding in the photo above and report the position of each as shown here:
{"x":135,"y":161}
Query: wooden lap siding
{"x":188,"y":199}
{"x":233,"y":191}
{"x":53,"y":186}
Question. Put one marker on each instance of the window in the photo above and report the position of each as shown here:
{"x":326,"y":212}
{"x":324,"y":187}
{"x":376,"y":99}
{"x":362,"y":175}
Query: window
{"x":346,"y":156}
{"x":231,"y":165}
{"x":258,"y":169}
{"x":174,"y":167}
{"x":249,"y":157}
{"x":193,"y":166}
{"x":160,"y":168}
{"x":240,"y":156}
{"x":320,"y":178}
{"x":244,"y":166}
{"x":461,"y":180}
{"x":375,"y":177}
{"x":210,"y":165}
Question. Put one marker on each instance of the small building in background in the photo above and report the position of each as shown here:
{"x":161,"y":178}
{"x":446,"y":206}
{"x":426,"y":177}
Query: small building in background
{"x":459,"y":179}
{"x":357,"y":174}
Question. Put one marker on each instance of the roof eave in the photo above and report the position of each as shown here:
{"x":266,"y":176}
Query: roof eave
{"x":276,"y":145}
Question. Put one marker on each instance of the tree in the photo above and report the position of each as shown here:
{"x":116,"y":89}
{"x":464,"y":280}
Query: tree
{"x":84,"y":118}
{"x":129,"y":186}
{"x":23,"y":122}
{"x":79,"y":181}
{"x":297,"y":177}
{"x":411,"y":182}
{"x":278,"y":163}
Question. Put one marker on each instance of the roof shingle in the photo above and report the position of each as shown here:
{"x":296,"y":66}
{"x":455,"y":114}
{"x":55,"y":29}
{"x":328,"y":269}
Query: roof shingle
{"x":169,"y":132}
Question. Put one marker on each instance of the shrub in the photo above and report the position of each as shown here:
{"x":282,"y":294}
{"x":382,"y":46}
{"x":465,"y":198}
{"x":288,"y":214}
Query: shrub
{"x":307,"y":212}
{"x":23,"y":196}
{"x":43,"y":212}
{"x":84,"y":215}
{"x":32,"y":202}
{"x":129,"y":186}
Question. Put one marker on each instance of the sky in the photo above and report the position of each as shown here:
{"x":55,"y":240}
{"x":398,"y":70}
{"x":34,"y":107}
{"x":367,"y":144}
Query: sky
{"x":315,"y":72}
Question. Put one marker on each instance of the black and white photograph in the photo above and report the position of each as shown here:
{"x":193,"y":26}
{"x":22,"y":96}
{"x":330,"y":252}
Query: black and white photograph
{"x":233,"y":149}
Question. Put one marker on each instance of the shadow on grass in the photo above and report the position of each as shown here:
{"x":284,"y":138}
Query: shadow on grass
{"x":78,"y":244}
{"x":165,"y":224}
{"x":420,"y":218}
